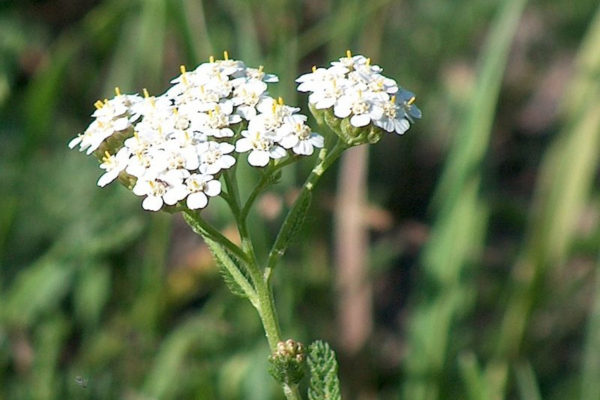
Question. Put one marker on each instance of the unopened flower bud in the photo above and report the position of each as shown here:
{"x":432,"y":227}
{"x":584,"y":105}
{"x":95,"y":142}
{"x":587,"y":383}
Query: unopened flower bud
{"x":287,"y":362}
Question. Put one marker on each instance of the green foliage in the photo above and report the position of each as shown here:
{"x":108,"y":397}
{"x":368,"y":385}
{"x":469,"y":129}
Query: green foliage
{"x":501,"y":278}
{"x":324,"y":382}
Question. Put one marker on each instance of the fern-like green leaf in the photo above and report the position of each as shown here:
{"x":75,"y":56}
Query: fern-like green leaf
{"x":324,"y":382}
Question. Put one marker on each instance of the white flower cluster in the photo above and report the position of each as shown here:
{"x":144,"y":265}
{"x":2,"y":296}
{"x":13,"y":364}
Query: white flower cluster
{"x":173,"y":147}
{"x":357,"y":90}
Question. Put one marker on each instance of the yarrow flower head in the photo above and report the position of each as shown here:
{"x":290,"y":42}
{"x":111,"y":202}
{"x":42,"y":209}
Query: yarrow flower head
{"x":357,"y":101}
{"x":172,"y":149}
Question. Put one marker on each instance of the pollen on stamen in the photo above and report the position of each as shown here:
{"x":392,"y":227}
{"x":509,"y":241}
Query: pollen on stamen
{"x":106,"y":157}
{"x":348,"y":54}
{"x":261,"y":68}
{"x":412,"y":100}
{"x":99,"y":104}
{"x":368,"y":62}
{"x":211,"y":59}
{"x":314,"y":68}
{"x":117,"y":91}
{"x":146,"y":94}
{"x":280,"y":101}
{"x":393,"y":99}
{"x":225,"y":55}
{"x":182,"y":69}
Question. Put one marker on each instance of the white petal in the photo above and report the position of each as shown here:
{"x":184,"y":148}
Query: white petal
{"x":107,"y":178}
{"x":304,"y":148}
{"x":402,"y":126}
{"x":226,"y":147}
{"x":289,"y":141}
{"x":226,"y":161}
{"x":317,"y":140}
{"x":258,"y":158}
{"x":277,"y":152}
{"x":243,"y":144}
{"x":360,"y":120}
{"x":341,"y":111}
{"x":152,"y":203}
{"x":75,"y":142}
{"x":175,"y":194}
{"x":197,"y":200}
{"x":213,"y":188}
{"x":121,"y":124}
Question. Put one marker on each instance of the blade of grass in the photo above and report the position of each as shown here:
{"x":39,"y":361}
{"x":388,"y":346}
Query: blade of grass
{"x":527,"y":382}
{"x":590,"y":384}
{"x":457,"y":234}
{"x":473,"y":377}
{"x":190,"y":22}
{"x":566,"y":177}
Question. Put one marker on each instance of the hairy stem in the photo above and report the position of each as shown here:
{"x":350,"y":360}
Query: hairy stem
{"x":280,"y":245}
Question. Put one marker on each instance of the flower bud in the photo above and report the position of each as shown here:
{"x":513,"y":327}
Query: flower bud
{"x":287,"y":362}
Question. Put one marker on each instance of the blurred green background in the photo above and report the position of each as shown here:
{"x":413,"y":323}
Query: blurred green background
{"x":480,"y":279}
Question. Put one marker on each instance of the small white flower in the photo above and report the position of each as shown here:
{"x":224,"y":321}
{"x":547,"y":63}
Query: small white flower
{"x":154,"y":191}
{"x":259,"y":75}
{"x":113,"y":165}
{"x":215,"y":157}
{"x":93,"y":136}
{"x":217,"y":121}
{"x":200,"y":187}
{"x":272,"y":114}
{"x":262,"y":147}
{"x":296,"y":135}
{"x":360,"y":106}
{"x":406,"y":100}
{"x":392,"y":119}
{"x":246,"y":96}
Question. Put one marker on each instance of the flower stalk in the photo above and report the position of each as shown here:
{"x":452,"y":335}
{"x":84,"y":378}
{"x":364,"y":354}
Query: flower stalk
{"x":180,"y":149}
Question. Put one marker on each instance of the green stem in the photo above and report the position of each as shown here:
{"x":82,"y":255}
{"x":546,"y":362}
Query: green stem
{"x":262,"y":185}
{"x":203,"y":228}
{"x":280,"y":245}
{"x":268,"y":317}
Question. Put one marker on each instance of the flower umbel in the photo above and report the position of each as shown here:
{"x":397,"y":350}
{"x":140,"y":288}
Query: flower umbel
{"x":173,"y":148}
{"x":357,"y":101}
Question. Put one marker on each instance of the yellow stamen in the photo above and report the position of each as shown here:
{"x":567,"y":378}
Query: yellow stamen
{"x":99,"y":104}
{"x":393,"y":99}
{"x":348,"y":54}
{"x":182,"y":69}
{"x":280,"y":101}
{"x":261,"y":68}
{"x":146,"y":94}
{"x":211,"y":59}
{"x":117,"y":91}
{"x":210,"y":113}
{"x":175,"y":111}
{"x":225,"y":55}
{"x":368,"y":61}
{"x":412,"y":100}
{"x":106,"y":157}
{"x":105,"y":101}
{"x":314,"y":68}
